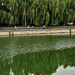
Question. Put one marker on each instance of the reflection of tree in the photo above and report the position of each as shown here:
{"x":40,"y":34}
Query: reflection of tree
{"x":45,"y":62}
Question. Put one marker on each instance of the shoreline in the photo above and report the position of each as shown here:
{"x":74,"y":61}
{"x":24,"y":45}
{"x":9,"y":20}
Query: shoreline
{"x":58,"y":30}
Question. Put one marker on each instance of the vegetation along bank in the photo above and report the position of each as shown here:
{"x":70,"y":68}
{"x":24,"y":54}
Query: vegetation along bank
{"x":37,"y":12}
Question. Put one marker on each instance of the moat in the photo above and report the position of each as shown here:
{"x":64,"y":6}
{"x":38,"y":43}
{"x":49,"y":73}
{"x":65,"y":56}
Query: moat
{"x":37,"y":55}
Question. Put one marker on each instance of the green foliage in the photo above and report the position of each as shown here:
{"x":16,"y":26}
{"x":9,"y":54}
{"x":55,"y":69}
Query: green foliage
{"x":47,"y":18}
{"x":6,"y":18}
{"x":38,"y":12}
{"x":53,"y":11}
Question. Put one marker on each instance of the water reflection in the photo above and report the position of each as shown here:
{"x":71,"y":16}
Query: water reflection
{"x":36,"y":55}
{"x":67,"y":71}
{"x":11,"y":72}
{"x":10,"y":47}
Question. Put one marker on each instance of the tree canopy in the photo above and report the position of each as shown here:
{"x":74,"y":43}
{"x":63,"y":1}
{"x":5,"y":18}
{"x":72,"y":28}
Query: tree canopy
{"x":38,"y":12}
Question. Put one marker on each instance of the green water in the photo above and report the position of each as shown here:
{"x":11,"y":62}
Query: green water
{"x":48,"y":55}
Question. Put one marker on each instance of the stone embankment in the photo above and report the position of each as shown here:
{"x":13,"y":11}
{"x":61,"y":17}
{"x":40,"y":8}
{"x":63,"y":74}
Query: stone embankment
{"x":57,"y":30}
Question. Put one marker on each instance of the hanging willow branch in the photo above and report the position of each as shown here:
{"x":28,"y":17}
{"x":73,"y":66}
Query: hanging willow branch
{"x":39,"y":12}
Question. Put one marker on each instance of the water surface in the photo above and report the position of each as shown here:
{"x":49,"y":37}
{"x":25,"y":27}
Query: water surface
{"x":43,"y":55}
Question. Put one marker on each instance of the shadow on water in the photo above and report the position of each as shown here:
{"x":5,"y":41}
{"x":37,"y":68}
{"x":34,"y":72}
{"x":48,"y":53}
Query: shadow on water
{"x":41,"y":54}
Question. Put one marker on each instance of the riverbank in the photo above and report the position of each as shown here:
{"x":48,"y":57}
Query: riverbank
{"x":54,"y":30}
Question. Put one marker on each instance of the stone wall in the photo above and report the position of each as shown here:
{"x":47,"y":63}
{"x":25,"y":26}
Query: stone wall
{"x":54,"y":31}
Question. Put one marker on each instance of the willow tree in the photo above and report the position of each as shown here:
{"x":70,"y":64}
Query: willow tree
{"x":49,"y":12}
{"x":38,"y":12}
{"x":5,"y":16}
{"x":71,"y":11}
{"x":17,"y":10}
{"x":11,"y":11}
{"x":68,"y":15}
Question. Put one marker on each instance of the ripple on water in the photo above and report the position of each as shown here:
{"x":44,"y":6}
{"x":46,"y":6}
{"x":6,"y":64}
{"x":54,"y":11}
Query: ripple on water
{"x":18,"y":46}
